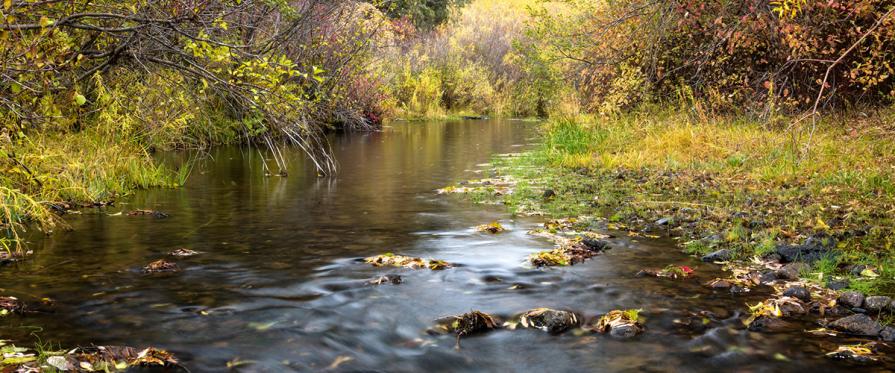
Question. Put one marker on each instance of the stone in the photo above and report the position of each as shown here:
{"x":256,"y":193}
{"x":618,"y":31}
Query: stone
{"x":769,"y":324}
{"x":625,"y":331}
{"x":722,"y":255}
{"x":799,"y":292}
{"x":813,"y":249}
{"x":663,"y":221}
{"x":594,"y":244}
{"x":387,"y":279}
{"x":851,"y":299}
{"x":857,"y":324}
{"x":877,"y":303}
{"x":549,"y":320}
{"x":767,"y":277}
{"x":791,"y":271}
{"x":837,"y":285}
{"x":887,"y":334}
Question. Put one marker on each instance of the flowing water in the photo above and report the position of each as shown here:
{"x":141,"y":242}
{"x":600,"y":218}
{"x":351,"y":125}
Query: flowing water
{"x":279,"y":286}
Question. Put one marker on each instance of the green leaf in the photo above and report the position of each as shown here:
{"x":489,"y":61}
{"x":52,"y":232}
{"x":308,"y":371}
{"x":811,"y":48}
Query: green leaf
{"x":80,"y":99}
{"x":45,"y":22}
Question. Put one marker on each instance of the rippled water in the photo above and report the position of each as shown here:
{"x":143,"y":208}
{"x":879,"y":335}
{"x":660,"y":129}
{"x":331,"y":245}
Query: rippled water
{"x":279,"y":286}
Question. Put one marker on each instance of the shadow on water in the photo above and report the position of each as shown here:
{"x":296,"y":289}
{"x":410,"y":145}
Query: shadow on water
{"x":279,"y":286}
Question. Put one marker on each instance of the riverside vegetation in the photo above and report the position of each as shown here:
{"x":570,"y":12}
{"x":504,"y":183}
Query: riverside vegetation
{"x":746,"y":129}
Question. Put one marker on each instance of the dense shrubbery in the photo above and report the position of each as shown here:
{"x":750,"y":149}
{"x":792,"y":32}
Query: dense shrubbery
{"x":751,"y":54}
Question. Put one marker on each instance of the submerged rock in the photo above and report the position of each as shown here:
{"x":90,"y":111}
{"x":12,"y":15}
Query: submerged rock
{"x":877,"y":303}
{"x":9,"y":305}
{"x":183,"y":252}
{"x":799,"y":292}
{"x":857,"y":324}
{"x":153,"y":213}
{"x":12,"y":256}
{"x":386,"y":279}
{"x":769,"y":324}
{"x":161,"y":265}
{"x":549,"y":320}
{"x":851,"y":299}
{"x":722,"y":255}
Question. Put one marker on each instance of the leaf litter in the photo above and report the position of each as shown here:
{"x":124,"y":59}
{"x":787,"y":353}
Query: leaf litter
{"x":392,"y":260}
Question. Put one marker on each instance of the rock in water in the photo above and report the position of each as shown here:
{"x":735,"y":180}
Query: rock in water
{"x":625,"y":331}
{"x":858,"y":324}
{"x":549,"y":320}
{"x":769,"y":324}
{"x":465,"y":324}
{"x":618,"y":323}
{"x":386,"y":279}
{"x":160,"y":265}
{"x":594,"y":244}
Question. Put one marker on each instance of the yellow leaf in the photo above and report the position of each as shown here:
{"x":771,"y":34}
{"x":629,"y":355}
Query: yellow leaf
{"x":7,"y":4}
{"x":821,"y":224}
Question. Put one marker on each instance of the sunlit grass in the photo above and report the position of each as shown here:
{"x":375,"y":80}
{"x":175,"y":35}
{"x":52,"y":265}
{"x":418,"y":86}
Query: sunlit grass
{"x":733,"y":147}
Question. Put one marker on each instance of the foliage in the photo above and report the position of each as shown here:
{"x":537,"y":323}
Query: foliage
{"x":730,"y":55}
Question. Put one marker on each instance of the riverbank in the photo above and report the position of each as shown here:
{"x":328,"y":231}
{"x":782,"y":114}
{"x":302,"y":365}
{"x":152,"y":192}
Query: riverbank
{"x":730,"y":184}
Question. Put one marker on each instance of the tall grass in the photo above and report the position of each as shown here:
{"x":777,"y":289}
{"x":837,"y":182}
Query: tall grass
{"x":16,"y":209}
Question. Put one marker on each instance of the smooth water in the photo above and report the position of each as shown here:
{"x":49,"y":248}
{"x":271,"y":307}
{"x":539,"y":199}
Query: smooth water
{"x":280,"y":288}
